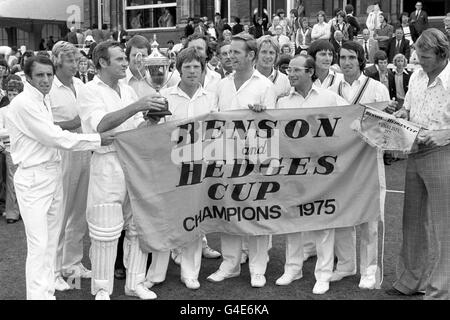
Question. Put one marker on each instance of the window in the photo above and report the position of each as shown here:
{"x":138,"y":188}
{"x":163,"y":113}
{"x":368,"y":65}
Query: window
{"x":23,"y":39}
{"x":51,"y":30}
{"x":149,"y":14}
{"x":3,"y":37}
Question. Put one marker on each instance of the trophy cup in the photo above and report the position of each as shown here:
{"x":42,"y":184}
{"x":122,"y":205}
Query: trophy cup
{"x":156,"y":73}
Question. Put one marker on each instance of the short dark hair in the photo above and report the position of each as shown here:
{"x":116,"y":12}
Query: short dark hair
{"x":237,"y":19}
{"x":310,"y":63}
{"x":283,"y":59}
{"x":401,"y":15}
{"x":139,"y":42}
{"x":101,"y":51}
{"x":321,"y":13}
{"x":170,"y":41}
{"x":349,"y":9}
{"x":220,"y":45}
{"x":188,"y":55}
{"x":29,"y":65}
{"x":379,"y":55}
{"x":196,"y":36}
{"x":320,"y":45}
{"x":355,"y":46}
{"x":249,"y":40}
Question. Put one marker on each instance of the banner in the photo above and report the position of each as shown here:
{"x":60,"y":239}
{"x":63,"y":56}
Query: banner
{"x":385,"y":131}
{"x":241,"y":172}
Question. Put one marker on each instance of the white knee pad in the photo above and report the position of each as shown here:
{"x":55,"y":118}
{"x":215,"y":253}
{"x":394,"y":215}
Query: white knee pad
{"x":105,"y":223}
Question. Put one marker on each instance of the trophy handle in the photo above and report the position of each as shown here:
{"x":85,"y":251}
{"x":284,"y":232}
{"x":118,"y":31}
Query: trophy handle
{"x":139,"y":61}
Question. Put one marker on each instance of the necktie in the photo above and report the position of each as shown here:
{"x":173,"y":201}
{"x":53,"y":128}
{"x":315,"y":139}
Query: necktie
{"x":398,"y":45}
{"x":84,"y":78}
{"x":366,"y":50}
{"x":417,"y":14}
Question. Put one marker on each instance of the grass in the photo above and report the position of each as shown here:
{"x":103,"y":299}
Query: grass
{"x":13,"y":253}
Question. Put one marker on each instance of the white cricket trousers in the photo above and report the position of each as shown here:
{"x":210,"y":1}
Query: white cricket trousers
{"x":345,"y":249}
{"x":323,"y":242}
{"x":191,"y":259}
{"x":258,"y":255}
{"x":107,"y":191}
{"x":39,"y":194}
{"x":75,"y":177}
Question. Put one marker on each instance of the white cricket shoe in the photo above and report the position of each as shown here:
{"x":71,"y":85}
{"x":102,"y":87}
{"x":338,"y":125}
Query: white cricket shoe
{"x":60,"y":284}
{"x":367,"y":282}
{"x":209,"y":253}
{"x":258,"y":280}
{"x":287,"y":279}
{"x":220,"y":275}
{"x":321,"y":287}
{"x":191,"y":283}
{"x":141,"y":292}
{"x":102,"y":295}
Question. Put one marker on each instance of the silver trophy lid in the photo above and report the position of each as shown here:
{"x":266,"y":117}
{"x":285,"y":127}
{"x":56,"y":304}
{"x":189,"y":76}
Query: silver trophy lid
{"x":156,"y":58}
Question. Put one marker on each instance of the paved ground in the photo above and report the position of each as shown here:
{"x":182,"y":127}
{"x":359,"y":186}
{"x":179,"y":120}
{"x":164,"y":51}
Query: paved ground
{"x":13,"y":252}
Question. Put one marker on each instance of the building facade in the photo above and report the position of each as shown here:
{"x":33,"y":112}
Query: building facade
{"x":27,"y":22}
{"x":167,"y":18}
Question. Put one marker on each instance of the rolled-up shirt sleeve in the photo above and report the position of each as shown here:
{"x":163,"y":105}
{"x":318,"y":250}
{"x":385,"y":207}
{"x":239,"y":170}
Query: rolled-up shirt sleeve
{"x":34,"y":124}
{"x":91,"y":108}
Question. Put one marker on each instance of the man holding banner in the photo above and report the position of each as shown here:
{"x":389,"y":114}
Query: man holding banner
{"x":357,"y":88}
{"x":246,"y":88}
{"x":427,"y":192}
{"x":306,"y":95}
{"x":107,"y":104}
{"x":187,"y":100}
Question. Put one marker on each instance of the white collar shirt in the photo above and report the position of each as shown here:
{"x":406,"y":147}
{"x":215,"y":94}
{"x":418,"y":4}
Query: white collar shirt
{"x":140,"y":86}
{"x":97,"y":99}
{"x":317,"y":97}
{"x":212,"y":79}
{"x":63,"y":100}
{"x":183,"y":107}
{"x":256,"y":90}
{"x":429,"y":105}
{"x":330,"y":79}
{"x":281,"y":83}
{"x":35,"y":139}
{"x":375,"y":91}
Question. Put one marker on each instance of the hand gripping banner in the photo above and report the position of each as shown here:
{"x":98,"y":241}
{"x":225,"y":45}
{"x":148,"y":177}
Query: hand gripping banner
{"x":246,"y":173}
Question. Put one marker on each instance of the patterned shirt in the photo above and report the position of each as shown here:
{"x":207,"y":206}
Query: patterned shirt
{"x":429,"y":105}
